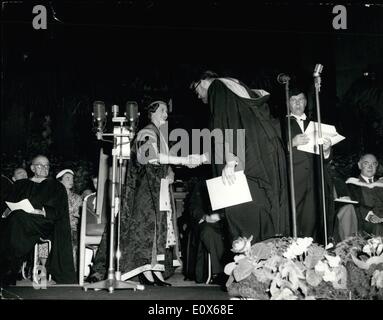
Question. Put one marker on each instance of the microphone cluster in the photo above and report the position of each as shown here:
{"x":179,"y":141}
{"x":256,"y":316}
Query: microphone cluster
{"x":100,"y":115}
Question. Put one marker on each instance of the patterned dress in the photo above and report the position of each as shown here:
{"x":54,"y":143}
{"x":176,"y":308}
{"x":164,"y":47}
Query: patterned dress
{"x":148,"y":237}
{"x":74,"y":202}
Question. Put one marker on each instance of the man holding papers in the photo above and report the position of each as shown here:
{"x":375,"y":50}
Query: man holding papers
{"x":306,"y":173}
{"x":43,"y":214}
{"x":260,"y":154}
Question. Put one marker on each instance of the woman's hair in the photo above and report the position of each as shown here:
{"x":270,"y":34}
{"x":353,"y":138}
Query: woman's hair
{"x":153,"y":106}
{"x":208,"y":74}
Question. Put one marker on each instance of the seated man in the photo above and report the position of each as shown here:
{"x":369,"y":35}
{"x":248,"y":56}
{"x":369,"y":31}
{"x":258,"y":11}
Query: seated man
{"x":367,"y":215}
{"x":49,"y":219}
{"x":209,"y":229}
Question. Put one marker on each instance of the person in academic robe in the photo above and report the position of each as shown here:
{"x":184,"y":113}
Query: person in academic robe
{"x":251,"y":142}
{"x":49,"y":220}
{"x":367,"y":190}
{"x":149,"y":236}
{"x":306,"y":167}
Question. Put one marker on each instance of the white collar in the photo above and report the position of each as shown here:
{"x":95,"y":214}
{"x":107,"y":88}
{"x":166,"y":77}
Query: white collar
{"x":302,"y":117}
{"x":367,"y":179}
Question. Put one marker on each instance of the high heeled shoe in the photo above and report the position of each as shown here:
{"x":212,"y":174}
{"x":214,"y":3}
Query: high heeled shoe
{"x":94,"y":277}
{"x":145,"y":281}
{"x":159,"y":282}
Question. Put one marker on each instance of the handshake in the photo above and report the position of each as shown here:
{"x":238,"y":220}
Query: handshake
{"x":194,"y":160}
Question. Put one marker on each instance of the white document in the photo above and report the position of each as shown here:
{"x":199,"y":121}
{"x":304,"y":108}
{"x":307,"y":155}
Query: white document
{"x":164,"y":195}
{"x":328,"y":131}
{"x":21,"y":205}
{"x":223,"y":196}
{"x":345,"y":200}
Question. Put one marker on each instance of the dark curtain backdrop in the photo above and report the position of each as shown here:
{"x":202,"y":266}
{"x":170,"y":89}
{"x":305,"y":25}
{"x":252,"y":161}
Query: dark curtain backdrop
{"x":130,"y":51}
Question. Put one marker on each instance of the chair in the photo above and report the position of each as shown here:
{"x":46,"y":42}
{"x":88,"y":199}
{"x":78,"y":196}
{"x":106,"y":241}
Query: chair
{"x":35,"y":273}
{"x":91,"y":229}
{"x":35,"y":268}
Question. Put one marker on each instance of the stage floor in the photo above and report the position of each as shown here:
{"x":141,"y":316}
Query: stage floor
{"x":180,"y":290}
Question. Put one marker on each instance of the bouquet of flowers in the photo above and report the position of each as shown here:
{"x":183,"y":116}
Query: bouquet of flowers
{"x":291,"y":269}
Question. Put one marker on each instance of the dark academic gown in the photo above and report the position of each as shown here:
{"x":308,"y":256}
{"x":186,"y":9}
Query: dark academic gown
{"x":368,"y":200}
{"x":307,"y":184}
{"x":263,"y":162}
{"x":21,"y":230}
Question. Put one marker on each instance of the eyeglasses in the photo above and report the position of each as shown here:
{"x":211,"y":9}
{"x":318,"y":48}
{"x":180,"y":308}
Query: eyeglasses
{"x":40,"y":166}
{"x":195,"y":86}
{"x":367,"y":164}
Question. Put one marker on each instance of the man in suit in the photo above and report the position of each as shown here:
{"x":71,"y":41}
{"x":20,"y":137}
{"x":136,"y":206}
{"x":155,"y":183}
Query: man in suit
{"x":209,"y":231}
{"x":306,"y":174}
{"x":368,"y":191}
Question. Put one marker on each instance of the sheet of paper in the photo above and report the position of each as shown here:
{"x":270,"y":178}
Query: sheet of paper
{"x":21,"y":205}
{"x":164,"y":195}
{"x":223,"y":196}
{"x":328,"y":131}
{"x":345,"y":200}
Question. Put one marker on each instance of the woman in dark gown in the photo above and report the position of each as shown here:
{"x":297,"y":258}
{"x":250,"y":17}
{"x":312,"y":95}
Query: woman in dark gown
{"x":148,"y":237}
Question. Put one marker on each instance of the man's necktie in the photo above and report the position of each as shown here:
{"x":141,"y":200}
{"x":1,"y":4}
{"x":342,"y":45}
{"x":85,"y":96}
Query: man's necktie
{"x":370,"y":180}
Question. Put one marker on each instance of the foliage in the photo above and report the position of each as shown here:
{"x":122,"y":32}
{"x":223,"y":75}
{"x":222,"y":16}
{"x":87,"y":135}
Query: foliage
{"x":292,"y":269}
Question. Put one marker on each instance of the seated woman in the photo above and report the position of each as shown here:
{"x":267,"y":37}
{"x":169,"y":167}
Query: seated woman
{"x":148,"y":238}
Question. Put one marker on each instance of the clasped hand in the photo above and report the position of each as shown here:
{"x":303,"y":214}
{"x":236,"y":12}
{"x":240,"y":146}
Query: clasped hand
{"x":193,"y":160}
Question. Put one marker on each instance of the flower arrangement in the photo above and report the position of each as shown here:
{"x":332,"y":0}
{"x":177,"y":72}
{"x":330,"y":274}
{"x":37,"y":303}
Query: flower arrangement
{"x":291,"y":269}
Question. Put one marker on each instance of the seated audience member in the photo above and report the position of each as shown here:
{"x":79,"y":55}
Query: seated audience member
{"x":49,"y":220}
{"x":209,"y":230}
{"x":6,"y":188}
{"x":19,"y":174}
{"x":74,"y":203}
{"x":366,"y":216}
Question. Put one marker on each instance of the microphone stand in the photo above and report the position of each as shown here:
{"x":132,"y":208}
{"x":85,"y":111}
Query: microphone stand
{"x":317,"y":83}
{"x":290,"y":146}
{"x":114,"y":277}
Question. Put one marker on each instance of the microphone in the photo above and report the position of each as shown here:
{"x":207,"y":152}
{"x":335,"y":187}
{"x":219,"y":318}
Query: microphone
{"x":99,"y":114}
{"x":115,"y":110}
{"x":131,"y":113}
{"x":282,"y":78}
{"x":318,"y":69}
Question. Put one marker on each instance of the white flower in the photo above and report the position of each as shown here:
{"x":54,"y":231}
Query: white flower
{"x":321,"y":267}
{"x":242,"y":245}
{"x":367,"y":249}
{"x":298,"y":247}
{"x":333,"y":261}
{"x":377,"y":279}
{"x":329,"y":276}
{"x":304,"y":243}
{"x":374,"y":246}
